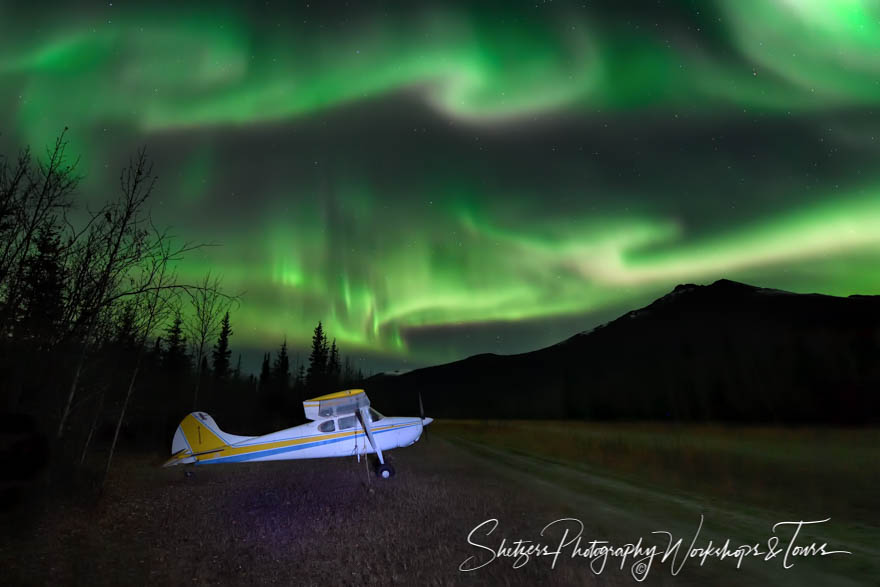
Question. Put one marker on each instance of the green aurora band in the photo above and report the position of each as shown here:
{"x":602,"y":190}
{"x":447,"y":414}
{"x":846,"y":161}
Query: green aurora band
{"x":443,"y":237}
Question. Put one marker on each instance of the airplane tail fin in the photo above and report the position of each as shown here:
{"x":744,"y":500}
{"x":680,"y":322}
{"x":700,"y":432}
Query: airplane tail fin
{"x":196,"y":435}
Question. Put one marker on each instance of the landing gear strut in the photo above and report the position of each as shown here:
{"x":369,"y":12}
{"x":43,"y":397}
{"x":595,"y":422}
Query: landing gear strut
{"x":385,"y":471}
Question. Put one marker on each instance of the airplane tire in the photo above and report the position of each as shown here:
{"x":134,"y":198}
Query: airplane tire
{"x":385,"y":471}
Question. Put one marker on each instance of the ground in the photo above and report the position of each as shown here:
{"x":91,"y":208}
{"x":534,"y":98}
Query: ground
{"x":329,"y":522}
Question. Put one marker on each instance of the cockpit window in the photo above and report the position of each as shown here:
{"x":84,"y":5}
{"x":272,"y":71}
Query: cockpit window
{"x":347,"y":422}
{"x":327,"y":426}
{"x":376,"y":416}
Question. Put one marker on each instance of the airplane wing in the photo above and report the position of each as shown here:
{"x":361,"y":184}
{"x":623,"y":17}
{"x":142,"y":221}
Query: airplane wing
{"x":342,"y":403}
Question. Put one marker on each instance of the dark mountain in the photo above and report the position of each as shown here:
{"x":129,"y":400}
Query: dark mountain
{"x":722,"y":352}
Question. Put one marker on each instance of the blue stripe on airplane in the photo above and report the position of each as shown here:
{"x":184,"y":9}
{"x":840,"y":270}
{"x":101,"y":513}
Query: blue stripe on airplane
{"x":274,"y":451}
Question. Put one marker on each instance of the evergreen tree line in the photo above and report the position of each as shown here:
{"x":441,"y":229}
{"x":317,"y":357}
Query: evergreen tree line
{"x":283,"y":387}
{"x":101,"y":342}
{"x":83,"y":290}
{"x":325,"y":373}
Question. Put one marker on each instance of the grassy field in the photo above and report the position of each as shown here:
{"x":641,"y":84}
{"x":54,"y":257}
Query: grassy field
{"x":328,"y":522}
{"x":742,"y":479}
{"x":323,"y":522}
{"x":803,"y":471}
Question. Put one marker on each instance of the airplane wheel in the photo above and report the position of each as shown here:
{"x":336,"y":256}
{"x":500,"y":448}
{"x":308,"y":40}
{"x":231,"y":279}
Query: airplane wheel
{"x":385,"y":471}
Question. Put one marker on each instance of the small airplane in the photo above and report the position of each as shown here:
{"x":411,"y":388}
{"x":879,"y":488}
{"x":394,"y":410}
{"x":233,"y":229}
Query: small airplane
{"x":343,"y":424}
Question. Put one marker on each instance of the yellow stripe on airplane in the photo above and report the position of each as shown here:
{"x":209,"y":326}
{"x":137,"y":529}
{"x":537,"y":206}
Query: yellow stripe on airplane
{"x":230,"y":451}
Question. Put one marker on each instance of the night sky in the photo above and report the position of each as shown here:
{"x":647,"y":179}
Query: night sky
{"x":434,"y":181}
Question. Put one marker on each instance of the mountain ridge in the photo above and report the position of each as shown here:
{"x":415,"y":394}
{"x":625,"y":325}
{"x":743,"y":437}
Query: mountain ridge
{"x":727,"y":351}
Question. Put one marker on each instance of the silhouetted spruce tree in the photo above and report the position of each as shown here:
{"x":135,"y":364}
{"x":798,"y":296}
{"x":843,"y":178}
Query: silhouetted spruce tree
{"x":154,"y":357}
{"x":316,"y":374}
{"x":204,"y":376}
{"x":300,"y":382}
{"x":265,"y":374}
{"x":348,"y":373}
{"x":333,"y":367}
{"x":126,"y":336}
{"x":42,"y":304}
{"x":281,"y":369}
{"x":34,"y":317}
{"x":236,"y":374}
{"x":174,"y":359}
{"x":294,"y":375}
{"x":34,"y":197}
{"x":221,"y":352}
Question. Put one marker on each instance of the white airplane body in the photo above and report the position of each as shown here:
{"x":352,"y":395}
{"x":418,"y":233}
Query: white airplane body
{"x":343,"y":424}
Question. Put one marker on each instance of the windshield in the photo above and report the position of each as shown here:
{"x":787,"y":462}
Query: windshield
{"x":375,"y":416}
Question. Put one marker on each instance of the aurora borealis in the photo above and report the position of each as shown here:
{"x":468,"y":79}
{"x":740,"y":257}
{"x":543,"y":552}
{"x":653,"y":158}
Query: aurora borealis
{"x":435,"y":180}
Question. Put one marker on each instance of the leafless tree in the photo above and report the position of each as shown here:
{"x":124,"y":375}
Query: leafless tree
{"x":115,"y":242}
{"x":208,"y":304}
{"x":157,"y":287}
{"x":109,"y":259}
{"x":33,"y":195}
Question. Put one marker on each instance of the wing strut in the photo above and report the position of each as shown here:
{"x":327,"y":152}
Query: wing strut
{"x":365,"y":422}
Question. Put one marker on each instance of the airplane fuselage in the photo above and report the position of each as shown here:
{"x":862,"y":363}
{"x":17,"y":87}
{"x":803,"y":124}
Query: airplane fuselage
{"x":307,"y":441}
{"x":342,"y":424}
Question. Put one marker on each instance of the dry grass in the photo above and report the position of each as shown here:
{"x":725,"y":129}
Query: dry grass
{"x":289,"y":522}
{"x":828,"y":470}
{"x":634,"y":478}
{"x":320,"y":522}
